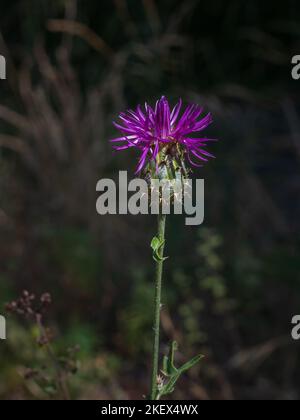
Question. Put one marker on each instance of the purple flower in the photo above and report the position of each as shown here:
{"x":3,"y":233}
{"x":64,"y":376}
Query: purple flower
{"x":151,"y":130}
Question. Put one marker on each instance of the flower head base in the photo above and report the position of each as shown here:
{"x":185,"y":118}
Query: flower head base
{"x":165,"y":138}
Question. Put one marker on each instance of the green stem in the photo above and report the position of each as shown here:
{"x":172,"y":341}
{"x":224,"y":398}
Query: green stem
{"x":158,"y":284}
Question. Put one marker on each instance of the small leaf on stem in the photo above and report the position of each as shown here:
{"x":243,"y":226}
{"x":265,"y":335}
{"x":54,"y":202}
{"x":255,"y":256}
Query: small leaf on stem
{"x":170,"y":371}
{"x":157,"y":244}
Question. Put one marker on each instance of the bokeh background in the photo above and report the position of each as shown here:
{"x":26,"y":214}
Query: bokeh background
{"x":231,"y":285}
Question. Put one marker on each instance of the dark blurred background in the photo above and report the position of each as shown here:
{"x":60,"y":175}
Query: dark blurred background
{"x":231,"y":285}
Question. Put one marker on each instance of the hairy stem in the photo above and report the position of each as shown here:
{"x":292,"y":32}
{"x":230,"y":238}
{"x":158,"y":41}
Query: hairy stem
{"x":158,"y":285}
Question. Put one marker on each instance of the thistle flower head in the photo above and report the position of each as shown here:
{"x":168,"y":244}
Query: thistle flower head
{"x":162,"y":133}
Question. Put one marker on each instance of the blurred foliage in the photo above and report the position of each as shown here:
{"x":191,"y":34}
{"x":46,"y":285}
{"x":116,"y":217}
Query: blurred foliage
{"x":231,"y":286}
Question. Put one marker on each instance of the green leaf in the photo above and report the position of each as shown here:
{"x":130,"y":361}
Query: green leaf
{"x":157,"y":244}
{"x":172,"y":373}
{"x":191,"y":363}
{"x":169,"y":368}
